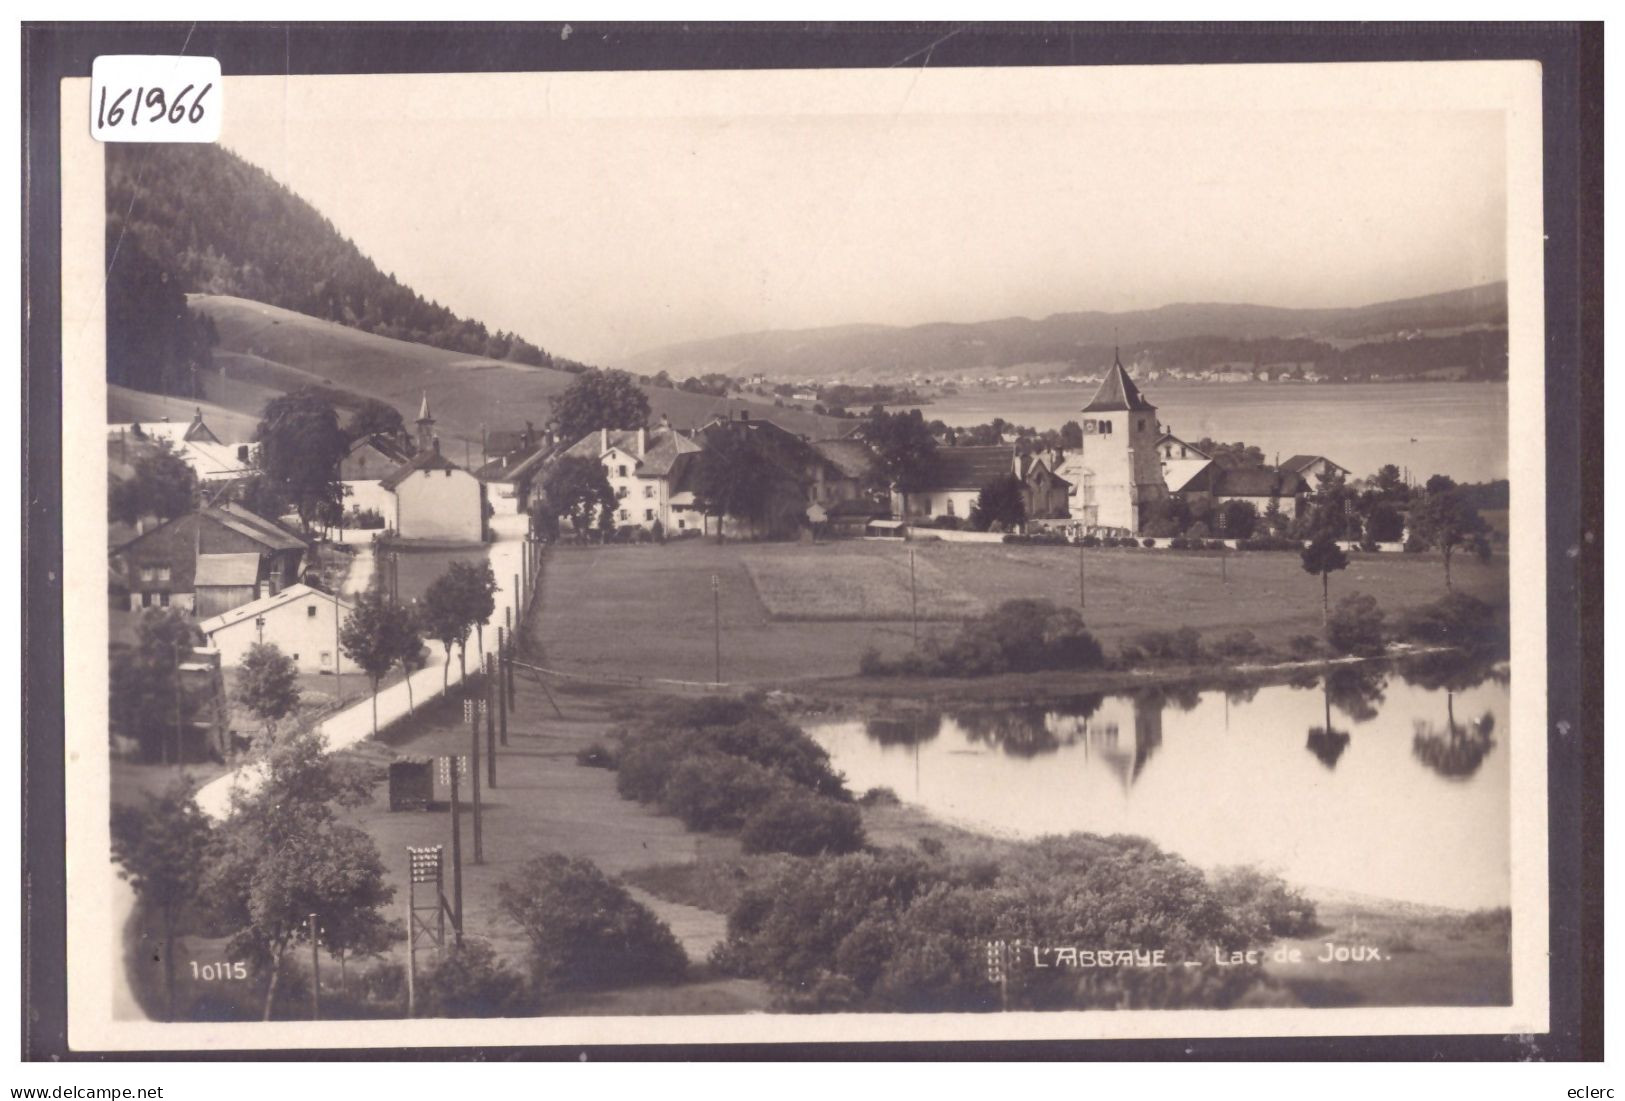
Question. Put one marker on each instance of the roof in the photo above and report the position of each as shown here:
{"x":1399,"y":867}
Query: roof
{"x":1169,"y":437}
{"x":429,"y":458}
{"x":228,"y":569}
{"x":1117,"y":392}
{"x":965,"y":468}
{"x":851,"y":457}
{"x":515,"y":466}
{"x":1177,"y":474}
{"x":257,"y":528}
{"x":1255,"y":481}
{"x":662,"y":447}
{"x":857,"y":506}
{"x":264,"y":604}
{"x":197,"y":431}
{"x":382,"y":444}
{"x":423,"y":410}
{"x":1300,"y":463}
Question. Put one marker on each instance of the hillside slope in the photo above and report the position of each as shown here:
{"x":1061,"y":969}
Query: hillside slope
{"x":265,"y":350}
{"x":1080,"y":339}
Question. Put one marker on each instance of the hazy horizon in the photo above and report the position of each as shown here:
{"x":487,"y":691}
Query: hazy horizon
{"x":602,"y":215}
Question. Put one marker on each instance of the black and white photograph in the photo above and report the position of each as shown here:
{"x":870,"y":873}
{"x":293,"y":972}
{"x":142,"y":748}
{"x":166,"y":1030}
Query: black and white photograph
{"x":805,"y":555}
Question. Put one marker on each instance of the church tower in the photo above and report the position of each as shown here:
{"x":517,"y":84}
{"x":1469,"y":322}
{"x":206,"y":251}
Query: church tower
{"x":1119,"y":468}
{"x":425,"y":425}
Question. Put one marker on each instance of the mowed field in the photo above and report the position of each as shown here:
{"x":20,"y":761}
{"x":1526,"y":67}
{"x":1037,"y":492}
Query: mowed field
{"x":793,"y":611}
{"x":265,"y":350}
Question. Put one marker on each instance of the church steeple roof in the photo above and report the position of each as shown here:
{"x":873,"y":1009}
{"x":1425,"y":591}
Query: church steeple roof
{"x":1117,"y":392}
{"x":423,"y":412}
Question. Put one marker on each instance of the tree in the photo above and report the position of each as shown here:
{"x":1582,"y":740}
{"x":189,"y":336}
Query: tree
{"x":148,"y":702}
{"x":577,"y":487}
{"x":1389,"y":485}
{"x":163,"y":486}
{"x":1334,"y":511}
{"x":1385,"y":523}
{"x":1275,"y":521}
{"x":1239,"y":519}
{"x":283,"y":855}
{"x":903,"y":446}
{"x":261,"y":496}
{"x":445,"y":618}
{"x":268,"y":685}
{"x":375,"y":418}
{"x":999,"y":502}
{"x":163,"y":849}
{"x":1443,"y":519}
{"x":1324,"y":557}
{"x":599,"y":399}
{"x":375,"y":635}
{"x":1071,"y":435}
{"x":731,"y":478}
{"x":301,"y":445}
{"x":477,"y":585}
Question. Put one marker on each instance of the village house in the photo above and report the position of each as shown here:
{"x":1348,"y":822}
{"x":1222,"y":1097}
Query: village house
{"x":227,"y":550}
{"x":301,"y":621}
{"x":1118,"y":470}
{"x":955,"y":477}
{"x":513,"y":468}
{"x":369,"y":460}
{"x":1312,"y":468}
{"x":211,"y":458}
{"x":431,"y":498}
{"x":804,"y":483}
{"x":640,"y":465}
{"x":1257,"y":485}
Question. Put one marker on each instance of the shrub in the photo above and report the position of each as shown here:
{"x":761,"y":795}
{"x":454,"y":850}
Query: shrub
{"x":1199,"y":530}
{"x":585,"y":931}
{"x":472,"y":981}
{"x":1414,"y":545}
{"x":1148,"y":542}
{"x":932,"y":846}
{"x":1179,"y":542}
{"x":1089,"y":541}
{"x":596,"y":755}
{"x":1184,"y":645}
{"x":1263,"y":904}
{"x":870,"y":663}
{"x":795,"y":822}
{"x":1129,"y":655}
{"x":1237,"y":644}
{"x":364,"y":518}
{"x":1455,"y":619}
{"x":879,"y":797}
{"x":946,"y":523}
{"x":712,"y":791}
{"x":644,"y":767}
{"x":1268,"y":543}
{"x":1304,"y":646}
{"x":1038,"y":539}
{"x":908,"y":930}
{"x":1355,"y":626}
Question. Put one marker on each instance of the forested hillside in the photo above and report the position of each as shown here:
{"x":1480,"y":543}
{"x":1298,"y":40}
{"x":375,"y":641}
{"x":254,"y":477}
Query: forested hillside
{"x":198,"y":219}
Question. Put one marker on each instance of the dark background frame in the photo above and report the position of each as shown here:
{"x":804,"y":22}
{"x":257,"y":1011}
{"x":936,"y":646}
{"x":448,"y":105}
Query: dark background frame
{"x":1571,"y":58}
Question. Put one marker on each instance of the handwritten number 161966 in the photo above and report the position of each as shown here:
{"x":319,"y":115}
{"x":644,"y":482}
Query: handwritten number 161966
{"x":161,"y":105}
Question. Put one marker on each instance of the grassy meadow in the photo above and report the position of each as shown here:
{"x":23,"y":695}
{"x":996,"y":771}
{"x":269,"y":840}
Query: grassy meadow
{"x":796,"y":612}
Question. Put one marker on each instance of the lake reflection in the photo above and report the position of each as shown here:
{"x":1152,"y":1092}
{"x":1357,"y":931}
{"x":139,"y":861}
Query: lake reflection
{"x":1391,"y":782}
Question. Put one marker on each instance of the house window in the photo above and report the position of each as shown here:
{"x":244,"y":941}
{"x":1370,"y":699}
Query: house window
{"x":146,"y":600}
{"x":648,"y":514}
{"x":623,"y":514}
{"x":163,"y":573}
{"x":1142,"y":424}
{"x":1105,"y":428}
{"x":296,"y":657}
{"x":327,"y":658}
{"x":620,"y":493}
{"x":310,"y":611}
{"x":163,"y":600}
{"x":950,"y":506}
{"x":620,"y":471}
{"x":149,"y":573}
{"x":682,"y":525}
{"x":648,"y":491}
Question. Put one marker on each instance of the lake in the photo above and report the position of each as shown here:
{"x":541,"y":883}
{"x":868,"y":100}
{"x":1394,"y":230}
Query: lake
{"x":1407,"y":797}
{"x":1459,"y":429}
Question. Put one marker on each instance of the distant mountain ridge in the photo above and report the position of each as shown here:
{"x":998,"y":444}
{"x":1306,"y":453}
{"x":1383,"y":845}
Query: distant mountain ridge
{"x":938,"y":348}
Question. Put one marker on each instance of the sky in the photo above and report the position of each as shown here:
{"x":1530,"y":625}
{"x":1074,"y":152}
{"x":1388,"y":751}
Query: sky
{"x":602,"y":214}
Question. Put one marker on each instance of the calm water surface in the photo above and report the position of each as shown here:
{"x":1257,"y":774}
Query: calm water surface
{"x":1459,"y":429}
{"x":1406,"y":798}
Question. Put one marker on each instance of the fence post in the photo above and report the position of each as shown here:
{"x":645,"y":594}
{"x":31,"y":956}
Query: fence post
{"x":492,"y":691}
{"x":502,"y":684}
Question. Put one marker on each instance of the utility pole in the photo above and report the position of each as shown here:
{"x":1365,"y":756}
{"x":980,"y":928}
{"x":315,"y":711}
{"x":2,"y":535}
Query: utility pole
{"x":502,"y":685}
{"x":456,"y":853}
{"x":472,"y":706}
{"x":913,"y":601}
{"x":338,"y":657}
{"x":489,"y":706}
{"x":315,"y":970}
{"x":716,"y":628}
{"x":1082,"y":590}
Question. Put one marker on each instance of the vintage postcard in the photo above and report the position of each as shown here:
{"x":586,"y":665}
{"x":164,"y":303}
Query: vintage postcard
{"x":817,"y":555}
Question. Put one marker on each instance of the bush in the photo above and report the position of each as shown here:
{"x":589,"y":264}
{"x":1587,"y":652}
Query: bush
{"x":1038,"y":539}
{"x":1263,"y":904}
{"x":472,"y":981}
{"x":596,"y":755}
{"x":946,"y":523}
{"x":1019,"y":636}
{"x":1237,"y":644}
{"x":1455,"y":619}
{"x":1199,"y":530}
{"x":908,"y":931}
{"x":1148,"y":542}
{"x":712,"y":791}
{"x":803,"y":825}
{"x":870,"y":663}
{"x":585,"y":931}
{"x":1268,"y":543}
{"x":1183,"y":645}
{"x":1304,"y":646}
{"x":1355,"y":626}
{"x":1089,"y":541}
{"x":1414,"y":545}
{"x":364,"y":518}
{"x":879,"y":797}
{"x":1179,"y":542}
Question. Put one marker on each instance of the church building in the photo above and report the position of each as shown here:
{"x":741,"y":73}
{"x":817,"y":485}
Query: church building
{"x":1118,"y":471}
